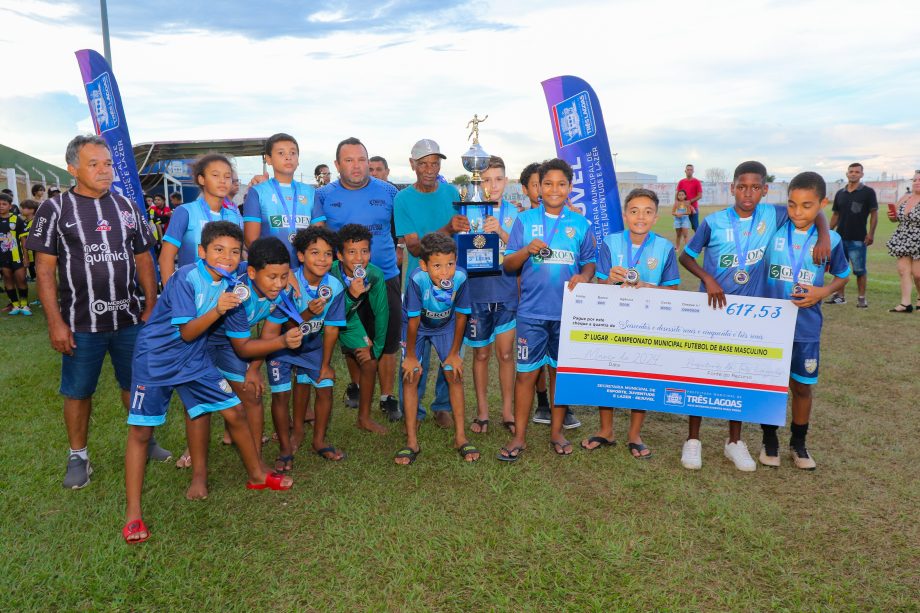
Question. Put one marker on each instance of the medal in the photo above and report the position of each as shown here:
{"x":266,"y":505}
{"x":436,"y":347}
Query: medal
{"x":324,"y":292}
{"x":446,"y":284}
{"x":291,"y":237}
{"x":741,"y":275}
{"x":359,"y":272}
{"x":242,"y":292}
{"x":632,"y":273}
{"x":798,"y":289}
{"x":545,"y":252}
{"x":304,"y":327}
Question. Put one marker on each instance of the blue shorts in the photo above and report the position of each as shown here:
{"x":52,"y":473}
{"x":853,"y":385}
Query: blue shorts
{"x":440,"y":342}
{"x":682,"y":222}
{"x":208,"y":393}
{"x":856,"y":253}
{"x":488,"y":320}
{"x":806,"y":356}
{"x":280,"y":375}
{"x":537,"y":343}
{"x":230,"y":365}
{"x":80,"y":371}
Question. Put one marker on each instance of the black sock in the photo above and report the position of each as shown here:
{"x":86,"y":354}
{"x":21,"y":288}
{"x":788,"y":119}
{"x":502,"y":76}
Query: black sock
{"x":799,"y":432}
{"x":14,"y":296}
{"x":770,"y":440}
{"x":542,"y":399}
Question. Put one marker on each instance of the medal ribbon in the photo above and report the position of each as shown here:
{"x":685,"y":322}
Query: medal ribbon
{"x":231,"y":279}
{"x":442,"y":295}
{"x":797,"y":262}
{"x":742,"y":251}
{"x":292,"y":216}
{"x":206,"y":209}
{"x":629,"y":258}
{"x":286,"y":304}
{"x":313,"y":294}
{"x":549,"y":239}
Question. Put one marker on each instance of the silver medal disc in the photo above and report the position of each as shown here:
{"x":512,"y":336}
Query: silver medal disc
{"x":241,"y":291}
{"x":324,"y":292}
{"x":632,"y":276}
{"x":305,"y":327}
{"x":798,"y":289}
{"x":742,"y":277}
{"x":291,"y":237}
{"x":446,"y":284}
{"x":360,"y":273}
{"x":545,"y":252}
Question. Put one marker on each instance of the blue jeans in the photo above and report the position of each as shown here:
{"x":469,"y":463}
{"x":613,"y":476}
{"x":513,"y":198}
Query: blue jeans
{"x":856,"y":253}
{"x":694,"y":220}
{"x":441,"y":391}
{"x":80,"y":371}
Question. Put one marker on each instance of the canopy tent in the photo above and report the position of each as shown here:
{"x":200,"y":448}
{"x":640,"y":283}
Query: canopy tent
{"x":147,"y":154}
{"x":19,"y":171}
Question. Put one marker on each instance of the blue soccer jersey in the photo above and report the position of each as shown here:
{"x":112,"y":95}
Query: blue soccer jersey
{"x":185,"y":226}
{"x":435,"y":306}
{"x":791,"y":251}
{"x":161,"y":356}
{"x":310,"y":352}
{"x":657,"y":262}
{"x":503,"y":287}
{"x":372,"y":207}
{"x":570,"y":237}
{"x":717,"y":235}
{"x":280,"y":209}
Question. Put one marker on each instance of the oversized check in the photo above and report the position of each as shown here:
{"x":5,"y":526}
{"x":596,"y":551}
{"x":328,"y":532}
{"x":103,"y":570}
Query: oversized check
{"x":664,"y":350}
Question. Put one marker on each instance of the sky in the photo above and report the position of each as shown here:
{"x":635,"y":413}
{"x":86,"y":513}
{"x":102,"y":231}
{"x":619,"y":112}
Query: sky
{"x":797,"y":84}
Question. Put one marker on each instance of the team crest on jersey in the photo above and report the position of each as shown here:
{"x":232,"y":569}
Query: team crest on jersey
{"x":224,"y":386}
{"x":652,"y":263}
{"x":103,"y":225}
{"x":127,"y":218}
{"x":301,"y":199}
{"x":507,"y":220}
{"x":811,"y":365}
{"x":761,"y":228}
{"x":570,"y":232}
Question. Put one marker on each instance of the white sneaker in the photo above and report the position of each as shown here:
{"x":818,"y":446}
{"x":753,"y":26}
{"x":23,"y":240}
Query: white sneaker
{"x":692,"y":455}
{"x":739,"y":454}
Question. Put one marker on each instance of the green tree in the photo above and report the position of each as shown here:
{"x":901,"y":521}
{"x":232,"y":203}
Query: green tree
{"x":461,"y":180}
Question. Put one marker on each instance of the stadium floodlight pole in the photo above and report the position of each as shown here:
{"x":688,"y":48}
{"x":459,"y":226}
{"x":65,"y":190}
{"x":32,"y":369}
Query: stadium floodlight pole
{"x":106,"y":48}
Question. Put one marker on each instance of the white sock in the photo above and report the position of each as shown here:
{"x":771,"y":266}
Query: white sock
{"x":81,"y":453}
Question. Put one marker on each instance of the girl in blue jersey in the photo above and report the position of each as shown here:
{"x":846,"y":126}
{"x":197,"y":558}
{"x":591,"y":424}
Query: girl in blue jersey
{"x":214,"y":175}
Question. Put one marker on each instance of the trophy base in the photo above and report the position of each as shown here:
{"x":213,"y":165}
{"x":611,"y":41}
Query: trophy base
{"x":478,"y":254}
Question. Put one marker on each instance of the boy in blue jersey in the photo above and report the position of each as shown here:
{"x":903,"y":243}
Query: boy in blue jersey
{"x":214,"y":176}
{"x":435,"y":310}
{"x":735,"y":240}
{"x":279,"y":206}
{"x":792,"y":275}
{"x":171,"y":355}
{"x":530,"y":185}
{"x":634,"y":258}
{"x":319,"y":311}
{"x":551,"y":247}
{"x":259,"y":283}
{"x":494,"y":302}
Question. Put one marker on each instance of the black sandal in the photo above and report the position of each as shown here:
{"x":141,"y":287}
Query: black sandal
{"x":508,"y":425}
{"x":908,"y":308}
{"x":602,"y":442}
{"x":407,"y":452}
{"x":560,"y":448}
{"x":284,"y":460}
{"x":639,"y":448}
{"x":467,"y":449}
{"x":482,"y":423}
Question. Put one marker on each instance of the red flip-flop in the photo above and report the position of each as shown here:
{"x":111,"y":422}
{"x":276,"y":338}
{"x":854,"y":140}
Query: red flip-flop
{"x":134,"y":527}
{"x":272,"y":482}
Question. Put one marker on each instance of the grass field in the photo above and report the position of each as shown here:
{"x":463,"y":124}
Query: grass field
{"x":589,"y":532}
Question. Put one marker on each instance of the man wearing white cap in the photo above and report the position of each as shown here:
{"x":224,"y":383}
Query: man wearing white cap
{"x":423,"y":207}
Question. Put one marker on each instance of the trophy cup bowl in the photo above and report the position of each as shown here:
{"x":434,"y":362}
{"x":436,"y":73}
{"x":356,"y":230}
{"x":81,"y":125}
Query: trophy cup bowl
{"x":475,"y":160}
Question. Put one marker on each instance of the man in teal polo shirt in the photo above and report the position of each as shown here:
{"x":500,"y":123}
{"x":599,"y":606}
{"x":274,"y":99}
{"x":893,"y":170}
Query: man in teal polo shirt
{"x":423,"y":207}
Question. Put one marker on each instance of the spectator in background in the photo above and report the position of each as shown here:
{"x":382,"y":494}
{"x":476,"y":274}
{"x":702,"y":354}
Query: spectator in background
{"x":904,"y":244}
{"x":38,"y":193}
{"x":322,"y":174}
{"x":853,"y":205}
{"x":52,"y":192}
{"x":381,"y":170}
{"x":694,"y":190}
{"x":175,"y":200}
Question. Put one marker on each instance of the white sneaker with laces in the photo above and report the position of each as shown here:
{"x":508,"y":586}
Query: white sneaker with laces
{"x":692,"y":455}
{"x":739,"y":454}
